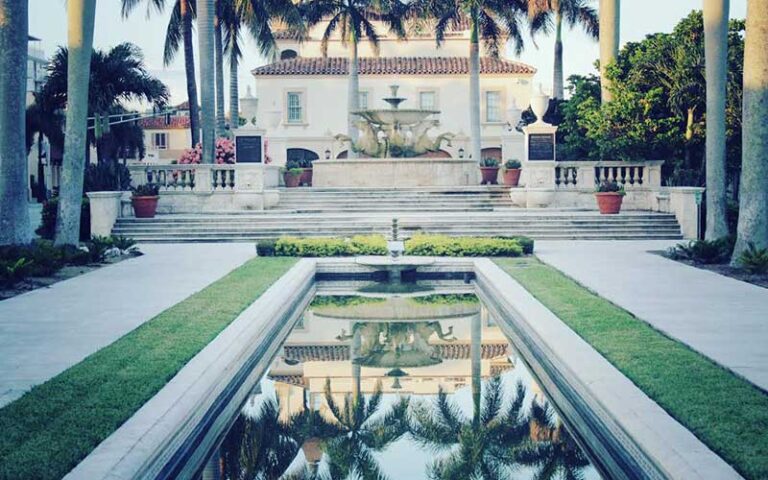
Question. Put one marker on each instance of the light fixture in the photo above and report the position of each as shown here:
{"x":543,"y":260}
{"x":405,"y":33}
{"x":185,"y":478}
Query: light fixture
{"x":461,"y":153}
{"x":327,"y":154}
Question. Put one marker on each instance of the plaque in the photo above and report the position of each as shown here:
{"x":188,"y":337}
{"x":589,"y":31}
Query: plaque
{"x":248,"y":148}
{"x":541,"y":146}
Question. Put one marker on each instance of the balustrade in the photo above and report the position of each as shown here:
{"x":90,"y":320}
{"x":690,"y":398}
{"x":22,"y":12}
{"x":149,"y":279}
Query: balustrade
{"x":186,"y":178}
{"x":587,"y":174}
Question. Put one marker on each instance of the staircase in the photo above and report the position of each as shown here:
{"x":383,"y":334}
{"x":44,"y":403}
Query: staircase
{"x":480,"y":211}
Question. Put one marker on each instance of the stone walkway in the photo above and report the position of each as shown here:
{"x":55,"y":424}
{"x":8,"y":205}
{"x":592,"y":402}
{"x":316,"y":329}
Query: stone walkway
{"x":722,"y":318}
{"x":45,"y":331}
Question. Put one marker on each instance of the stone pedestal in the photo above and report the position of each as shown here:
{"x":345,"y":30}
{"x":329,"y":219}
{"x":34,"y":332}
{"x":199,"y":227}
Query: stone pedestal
{"x":538,"y":175}
{"x":249,"y":144}
{"x":105,"y":209}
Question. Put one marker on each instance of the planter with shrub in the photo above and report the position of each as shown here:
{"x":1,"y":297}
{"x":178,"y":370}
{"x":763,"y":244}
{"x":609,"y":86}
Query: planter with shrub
{"x":144,"y":200}
{"x":306,"y":173}
{"x":609,"y":195}
{"x":489,"y":169}
{"x":292,"y":176}
{"x":511,"y":173}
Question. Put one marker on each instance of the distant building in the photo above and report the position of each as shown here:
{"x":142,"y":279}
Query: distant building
{"x":43,"y":171}
{"x":167,"y":136}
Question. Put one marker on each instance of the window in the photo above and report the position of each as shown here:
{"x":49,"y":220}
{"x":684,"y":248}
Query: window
{"x":288,"y":54}
{"x":493,"y":106}
{"x":428,"y":100}
{"x":160,"y":141}
{"x":295,"y":109}
{"x":363,"y":101}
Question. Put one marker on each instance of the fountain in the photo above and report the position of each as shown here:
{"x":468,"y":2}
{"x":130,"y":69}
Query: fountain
{"x":394,"y":150}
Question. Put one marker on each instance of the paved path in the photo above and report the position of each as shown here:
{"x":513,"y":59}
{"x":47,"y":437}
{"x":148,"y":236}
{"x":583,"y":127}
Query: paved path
{"x":722,"y":318}
{"x":48,"y":330}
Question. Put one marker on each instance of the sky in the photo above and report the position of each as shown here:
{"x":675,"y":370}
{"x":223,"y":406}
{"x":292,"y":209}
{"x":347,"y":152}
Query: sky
{"x":47,"y":21}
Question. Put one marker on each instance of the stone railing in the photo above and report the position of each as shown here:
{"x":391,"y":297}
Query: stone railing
{"x":585,"y":175}
{"x":179,"y":178}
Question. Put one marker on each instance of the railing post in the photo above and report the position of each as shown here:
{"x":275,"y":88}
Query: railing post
{"x":203,"y":179}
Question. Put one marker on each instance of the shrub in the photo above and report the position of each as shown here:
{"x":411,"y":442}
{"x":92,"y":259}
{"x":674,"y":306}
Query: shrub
{"x":266,"y":247}
{"x":703,"y":251}
{"x":106,"y":176}
{"x":526,"y":243}
{"x":98,"y":246}
{"x":146,"y":190}
{"x":445,"y":246}
{"x":368,"y":245}
{"x":12,"y":272}
{"x":225,"y":153}
{"x":47,"y":228}
{"x":311,"y":247}
{"x":489,"y":162}
{"x":610,"y":186}
{"x":512,"y":164}
{"x":754,"y":260}
{"x":124,"y":244}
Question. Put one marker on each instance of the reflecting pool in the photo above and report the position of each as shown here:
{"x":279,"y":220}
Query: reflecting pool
{"x":398,"y":387}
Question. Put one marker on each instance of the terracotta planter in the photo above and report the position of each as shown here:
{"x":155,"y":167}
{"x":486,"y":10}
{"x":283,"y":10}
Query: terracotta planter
{"x":145,"y":207}
{"x":291,"y":180}
{"x":511,"y":177}
{"x":306,"y":177}
{"x":609,"y":203}
{"x":490,"y":175}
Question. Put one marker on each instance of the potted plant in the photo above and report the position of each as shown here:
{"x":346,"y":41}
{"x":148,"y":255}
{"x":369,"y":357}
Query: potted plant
{"x":306,"y":173}
{"x":489,"y":168}
{"x":609,"y":195}
{"x":144,"y":200}
{"x":511,"y":172}
{"x":292,"y":174}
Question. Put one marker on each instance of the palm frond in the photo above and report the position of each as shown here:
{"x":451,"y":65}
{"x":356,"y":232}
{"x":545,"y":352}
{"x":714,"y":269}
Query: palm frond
{"x":173,"y":35}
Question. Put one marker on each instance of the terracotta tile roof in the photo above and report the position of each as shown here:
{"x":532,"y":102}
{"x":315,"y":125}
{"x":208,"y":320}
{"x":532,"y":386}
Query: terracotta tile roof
{"x":329,"y":353}
{"x":392,"y":66}
{"x":158,"y":123}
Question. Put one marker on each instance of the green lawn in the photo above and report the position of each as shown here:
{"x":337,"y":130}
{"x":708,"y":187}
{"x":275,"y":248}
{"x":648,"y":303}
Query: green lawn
{"x":45,"y":433}
{"x":726,"y":412}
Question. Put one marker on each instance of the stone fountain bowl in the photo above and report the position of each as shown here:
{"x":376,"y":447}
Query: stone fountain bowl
{"x":391,"y":117}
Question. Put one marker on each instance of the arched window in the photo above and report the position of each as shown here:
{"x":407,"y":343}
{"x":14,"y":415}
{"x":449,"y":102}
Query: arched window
{"x":288,"y":54}
{"x":343,"y":154}
{"x":301,"y":157}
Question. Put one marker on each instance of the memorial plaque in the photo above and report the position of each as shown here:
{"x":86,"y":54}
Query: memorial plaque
{"x":248,"y":148}
{"x":541,"y":146}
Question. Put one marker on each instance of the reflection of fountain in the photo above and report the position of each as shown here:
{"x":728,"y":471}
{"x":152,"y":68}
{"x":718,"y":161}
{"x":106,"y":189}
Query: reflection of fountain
{"x":396,"y":132}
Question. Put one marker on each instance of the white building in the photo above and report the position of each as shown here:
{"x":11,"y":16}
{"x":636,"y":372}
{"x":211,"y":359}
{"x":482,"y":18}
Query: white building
{"x":302,"y":98}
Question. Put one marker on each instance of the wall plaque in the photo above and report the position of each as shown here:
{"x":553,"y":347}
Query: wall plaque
{"x":541,"y":146}
{"x":248,"y":149}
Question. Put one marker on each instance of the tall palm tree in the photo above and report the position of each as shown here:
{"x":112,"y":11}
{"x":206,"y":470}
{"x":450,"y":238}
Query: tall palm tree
{"x":753,"y":197}
{"x":14,"y":214}
{"x":492,"y":22}
{"x":179,"y":32}
{"x":552,"y":451}
{"x":354,"y":19}
{"x":716,"y":53}
{"x":610,"y":15}
{"x":218,"y":50}
{"x":205,"y":41}
{"x":80,"y":22}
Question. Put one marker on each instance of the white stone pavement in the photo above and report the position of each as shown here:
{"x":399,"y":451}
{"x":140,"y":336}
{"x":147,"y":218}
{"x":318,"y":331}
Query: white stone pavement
{"x":722,"y":318}
{"x":48,"y":330}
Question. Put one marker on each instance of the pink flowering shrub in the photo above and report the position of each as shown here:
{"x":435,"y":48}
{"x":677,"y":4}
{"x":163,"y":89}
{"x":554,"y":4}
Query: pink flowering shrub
{"x":225,"y":153}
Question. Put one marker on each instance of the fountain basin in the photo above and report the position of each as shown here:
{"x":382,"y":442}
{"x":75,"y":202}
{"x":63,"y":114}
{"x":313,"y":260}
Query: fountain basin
{"x":395,"y":172}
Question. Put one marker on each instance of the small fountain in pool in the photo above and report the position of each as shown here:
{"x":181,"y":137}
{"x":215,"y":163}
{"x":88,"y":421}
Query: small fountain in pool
{"x":395,"y":264}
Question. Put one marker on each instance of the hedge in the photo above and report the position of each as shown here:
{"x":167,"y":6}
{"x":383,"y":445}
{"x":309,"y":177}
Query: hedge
{"x":445,"y":246}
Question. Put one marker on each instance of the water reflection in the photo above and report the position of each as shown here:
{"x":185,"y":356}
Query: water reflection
{"x":378,"y":389}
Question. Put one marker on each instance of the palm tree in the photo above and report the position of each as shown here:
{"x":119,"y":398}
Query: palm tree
{"x":552,"y":451}
{"x":491,"y":22}
{"x":716,"y":52}
{"x":80,"y":19}
{"x":14,"y":214}
{"x":218,"y":50}
{"x":179,"y":31}
{"x":205,"y":40}
{"x":610,"y":14}
{"x":753,"y":201}
{"x":354,"y":19}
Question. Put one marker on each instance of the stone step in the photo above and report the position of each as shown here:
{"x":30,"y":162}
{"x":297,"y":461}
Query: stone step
{"x":255,"y":237}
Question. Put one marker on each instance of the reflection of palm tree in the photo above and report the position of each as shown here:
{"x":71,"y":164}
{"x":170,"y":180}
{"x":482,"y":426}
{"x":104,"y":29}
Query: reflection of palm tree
{"x":485,"y":442}
{"x":361,"y":433}
{"x":552,"y":449}
{"x":259,"y":447}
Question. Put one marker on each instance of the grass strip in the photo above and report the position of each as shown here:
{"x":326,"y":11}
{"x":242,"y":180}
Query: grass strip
{"x":55,"y":425}
{"x":726,"y":412}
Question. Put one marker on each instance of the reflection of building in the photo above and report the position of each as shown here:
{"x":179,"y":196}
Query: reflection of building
{"x":303,"y":96}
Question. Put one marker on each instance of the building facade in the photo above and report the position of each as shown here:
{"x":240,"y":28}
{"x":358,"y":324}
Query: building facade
{"x":302,"y":98}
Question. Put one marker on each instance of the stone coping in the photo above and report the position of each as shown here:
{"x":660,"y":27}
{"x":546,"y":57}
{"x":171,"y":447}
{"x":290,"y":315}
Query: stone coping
{"x":632,"y":436}
{"x":389,"y":160}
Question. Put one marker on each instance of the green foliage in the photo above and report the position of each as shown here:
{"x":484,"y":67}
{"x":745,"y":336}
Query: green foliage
{"x":11,"y":272}
{"x":97,"y":248}
{"x":311,"y":247}
{"x":344,"y":300}
{"x":445,"y":246}
{"x":47,"y":228}
{"x":489,"y":162}
{"x":754,"y":260}
{"x":369,"y":245}
{"x":266,"y":247}
{"x":608,"y":186}
{"x":446,"y":299}
{"x":45,"y":439}
{"x":723,"y":410}
{"x":124,"y":244}
{"x":512,"y":164}
{"x":146,"y":190}
{"x":703,"y":251}
{"x":526,"y":243}
{"x":106,"y":176}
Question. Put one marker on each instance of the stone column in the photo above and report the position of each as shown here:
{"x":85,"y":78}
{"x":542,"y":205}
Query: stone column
{"x":538,"y":173}
{"x":105,"y":210}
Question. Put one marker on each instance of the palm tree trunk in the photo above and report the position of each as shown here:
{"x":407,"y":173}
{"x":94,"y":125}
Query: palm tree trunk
{"x":205,"y":14}
{"x":474,"y":89}
{"x":80,"y":22}
{"x":610,"y":13}
{"x":14,"y":213}
{"x":716,"y":54}
{"x":557,"y":83}
{"x":753,"y":201}
{"x":234,"y":95}
{"x":353,"y":95}
{"x":219,"y":53}
{"x":475,"y":354}
{"x":189,"y":68}
{"x":356,"y":367}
